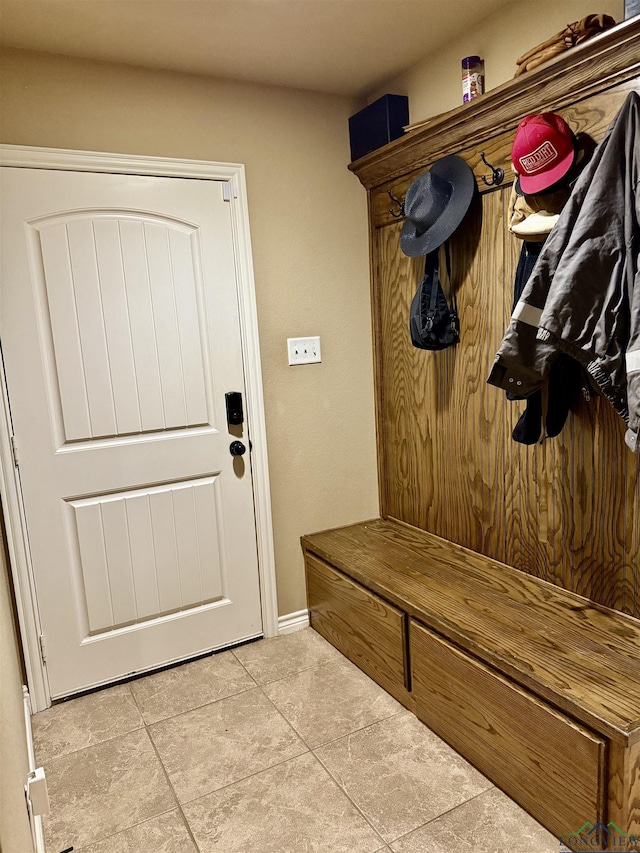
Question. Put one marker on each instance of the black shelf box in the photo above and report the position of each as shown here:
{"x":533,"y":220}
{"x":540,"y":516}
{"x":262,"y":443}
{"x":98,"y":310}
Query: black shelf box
{"x":377,"y":124}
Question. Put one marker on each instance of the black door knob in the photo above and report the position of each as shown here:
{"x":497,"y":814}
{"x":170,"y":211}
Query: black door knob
{"x":237,"y":448}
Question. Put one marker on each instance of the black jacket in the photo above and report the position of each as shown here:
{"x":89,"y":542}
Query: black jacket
{"x":583,"y":296}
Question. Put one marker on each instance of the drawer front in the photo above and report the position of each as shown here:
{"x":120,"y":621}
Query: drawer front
{"x":550,"y":765}
{"x":361,"y":625}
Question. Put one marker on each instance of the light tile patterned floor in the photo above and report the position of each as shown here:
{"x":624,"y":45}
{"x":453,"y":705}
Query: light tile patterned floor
{"x":279,"y":746}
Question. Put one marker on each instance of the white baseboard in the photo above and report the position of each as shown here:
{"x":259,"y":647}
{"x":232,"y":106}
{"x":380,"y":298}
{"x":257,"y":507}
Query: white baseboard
{"x":293,"y":622}
{"x":37,"y":832}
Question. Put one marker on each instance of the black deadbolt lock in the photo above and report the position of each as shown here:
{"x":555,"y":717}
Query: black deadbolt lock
{"x":235,"y":414}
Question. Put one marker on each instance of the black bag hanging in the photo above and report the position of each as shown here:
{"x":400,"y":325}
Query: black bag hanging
{"x":433,"y":324}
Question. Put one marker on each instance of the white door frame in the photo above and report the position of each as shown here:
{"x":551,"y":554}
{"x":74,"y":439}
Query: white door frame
{"x":94,"y":161}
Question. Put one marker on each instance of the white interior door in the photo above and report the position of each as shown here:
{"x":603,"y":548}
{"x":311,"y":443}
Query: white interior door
{"x":120,"y":335}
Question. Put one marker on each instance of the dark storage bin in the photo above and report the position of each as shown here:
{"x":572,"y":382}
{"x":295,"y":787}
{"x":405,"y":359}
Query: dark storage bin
{"x":377,"y":124}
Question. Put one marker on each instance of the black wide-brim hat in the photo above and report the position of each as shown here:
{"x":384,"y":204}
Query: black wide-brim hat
{"x":435,"y":205}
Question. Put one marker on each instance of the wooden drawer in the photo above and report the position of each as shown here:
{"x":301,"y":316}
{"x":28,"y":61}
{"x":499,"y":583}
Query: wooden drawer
{"x":366,"y":629}
{"x":553,"y":767}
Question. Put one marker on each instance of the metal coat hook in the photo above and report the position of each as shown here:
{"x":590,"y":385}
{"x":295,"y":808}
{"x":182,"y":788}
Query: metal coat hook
{"x":497,"y":175}
{"x":398,"y":202}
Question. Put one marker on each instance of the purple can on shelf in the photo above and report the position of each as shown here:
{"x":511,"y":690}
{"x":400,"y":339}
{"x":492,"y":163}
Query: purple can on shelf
{"x":472,"y":78}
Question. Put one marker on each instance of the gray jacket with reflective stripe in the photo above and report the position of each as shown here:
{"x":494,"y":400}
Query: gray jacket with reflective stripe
{"x":583,"y":295}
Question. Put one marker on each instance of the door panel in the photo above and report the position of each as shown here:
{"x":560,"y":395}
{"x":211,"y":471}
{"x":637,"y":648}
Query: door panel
{"x":122,"y":301}
{"x":147,"y":552}
{"x":121,"y":335}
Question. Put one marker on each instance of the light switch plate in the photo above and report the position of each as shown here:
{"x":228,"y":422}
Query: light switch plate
{"x":304,"y":350}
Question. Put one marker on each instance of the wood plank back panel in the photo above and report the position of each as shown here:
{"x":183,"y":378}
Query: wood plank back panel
{"x":578,"y":655}
{"x":565,"y":511}
{"x":499,"y":728}
{"x":470,"y":467}
{"x":366,"y":629}
{"x":436,"y":422}
{"x":410,"y":488}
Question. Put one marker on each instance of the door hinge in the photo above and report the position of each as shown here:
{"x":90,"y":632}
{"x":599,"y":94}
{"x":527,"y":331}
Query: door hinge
{"x":43,"y":653}
{"x":14,"y":451}
{"x":37,"y":793}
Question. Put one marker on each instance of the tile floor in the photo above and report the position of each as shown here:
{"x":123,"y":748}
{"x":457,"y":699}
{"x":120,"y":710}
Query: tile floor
{"x":279,"y":746}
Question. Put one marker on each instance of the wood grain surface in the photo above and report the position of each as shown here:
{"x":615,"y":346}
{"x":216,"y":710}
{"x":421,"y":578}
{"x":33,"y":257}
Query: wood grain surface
{"x":623,"y":787}
{"x":578,"y":655}
{"x":540,"y":758}
{"x":366,"y":629}
{"x":566,"y":510}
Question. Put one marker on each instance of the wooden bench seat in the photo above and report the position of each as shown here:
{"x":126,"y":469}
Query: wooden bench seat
{"x":434,"y":622}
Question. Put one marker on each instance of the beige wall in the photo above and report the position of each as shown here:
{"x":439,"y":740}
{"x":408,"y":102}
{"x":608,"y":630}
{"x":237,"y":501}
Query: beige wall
{"x":15,"y":835}
{"x":309,"y":232}
{"x":435,"y":84}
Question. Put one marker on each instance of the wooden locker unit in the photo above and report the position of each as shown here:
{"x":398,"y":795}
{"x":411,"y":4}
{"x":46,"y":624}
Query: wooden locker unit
{"x":567,"y":510}
{"x":538,"y":687}
{"x":502,"y":582}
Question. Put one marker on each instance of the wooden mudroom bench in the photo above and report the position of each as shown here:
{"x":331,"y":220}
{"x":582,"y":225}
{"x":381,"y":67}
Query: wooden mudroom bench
{"x":538,"y":687}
